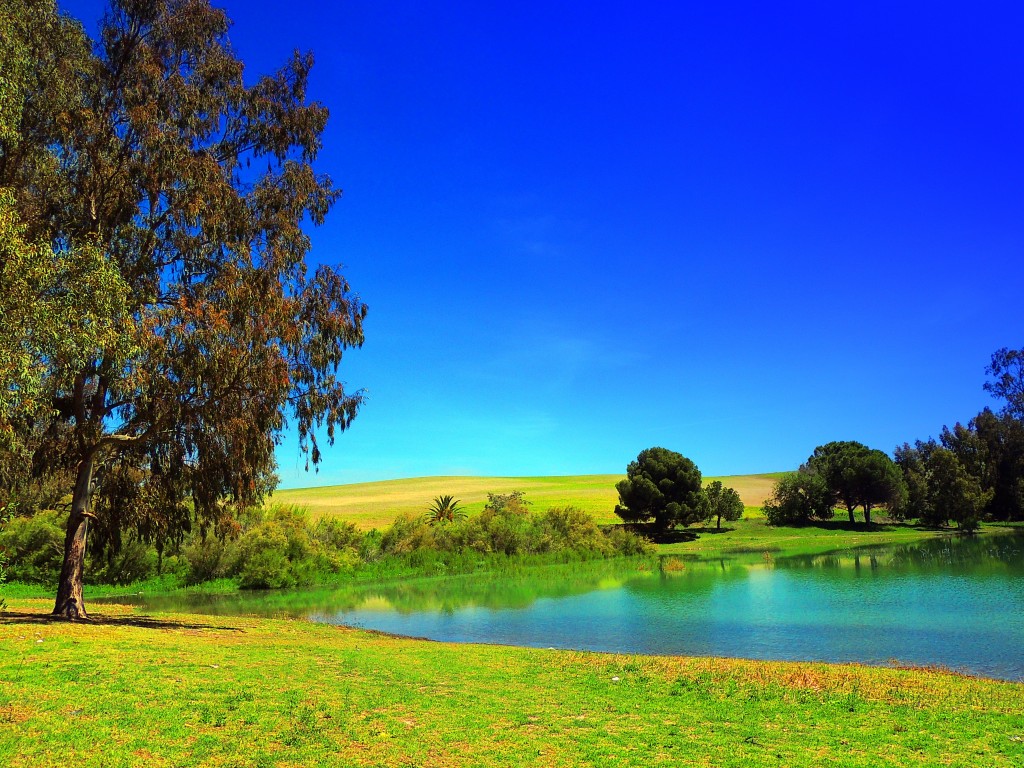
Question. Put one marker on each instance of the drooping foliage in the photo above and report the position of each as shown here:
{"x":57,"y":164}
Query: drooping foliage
{"x":1007,"y":384}
{"x":663,"y":486}
{"x":60,"y":302}
{"x":193,"y":184}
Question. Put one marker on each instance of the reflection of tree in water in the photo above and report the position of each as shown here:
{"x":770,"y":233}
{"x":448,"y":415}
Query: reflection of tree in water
{"x":674,"y":578}
{"x":688,"y":577}
{"x":965,"y":554}
{"x":503,"y":590}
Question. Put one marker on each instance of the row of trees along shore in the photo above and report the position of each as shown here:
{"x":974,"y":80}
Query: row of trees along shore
{"x":973,"y":472}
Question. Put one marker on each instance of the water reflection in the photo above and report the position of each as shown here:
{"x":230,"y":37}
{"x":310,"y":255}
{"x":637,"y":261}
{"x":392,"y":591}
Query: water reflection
{"x":506,"y":591}
{"x":953,"y":601}
{"x":1002,"y":554}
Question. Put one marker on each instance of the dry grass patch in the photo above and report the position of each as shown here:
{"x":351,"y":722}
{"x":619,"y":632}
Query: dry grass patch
{"x":376,"y":505}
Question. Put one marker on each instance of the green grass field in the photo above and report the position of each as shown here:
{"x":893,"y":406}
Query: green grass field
{"x":177,"y":690}
{"x":132,"y":690}
{"x":376,"y":505}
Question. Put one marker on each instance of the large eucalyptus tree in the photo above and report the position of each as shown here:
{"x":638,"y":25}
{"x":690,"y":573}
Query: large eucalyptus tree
{"x":194,"y":183}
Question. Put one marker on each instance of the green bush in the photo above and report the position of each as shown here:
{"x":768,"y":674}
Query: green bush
{"x":799,"y":498}
{"x":625,"y":543}
{"x":572,"y":528}
{"x":285,"y":550}
{"x":133,"y":561}
{"x":408,"y":534}
{"x":35,"y":547}
{"x":337,"y":535}
{"x":263,"y":561}
{"x":279,"y":547}
{"x":506,"y":527}
{"x":207,"y":558}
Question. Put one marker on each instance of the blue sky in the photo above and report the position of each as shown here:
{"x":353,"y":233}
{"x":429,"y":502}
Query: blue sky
{"x":737,"y":230}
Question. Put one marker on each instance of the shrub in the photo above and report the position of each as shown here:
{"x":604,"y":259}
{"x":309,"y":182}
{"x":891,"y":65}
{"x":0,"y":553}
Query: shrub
{"x":132,"y":561}
{"x":627,"y":543}
{"x":208,"y":558}
{"x":338,"y":535}
{"x":406,"y":535}
{"x":285,"y":550}
{"x":572,"y":528}
{"x":370,"y":546}
{"x":34,"y":546}
{"x":507,"y":527}
{"x":798,"y":498}
{"x":512,"y":503}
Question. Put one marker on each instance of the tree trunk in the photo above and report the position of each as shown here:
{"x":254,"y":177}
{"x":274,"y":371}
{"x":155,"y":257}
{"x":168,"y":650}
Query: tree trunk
{"x":867,"y":514}
{"x":850,"y":510}
{"x":719,"y":525}
{"x":70,"y":603}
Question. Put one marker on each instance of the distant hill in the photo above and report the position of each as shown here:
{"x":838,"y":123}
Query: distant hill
{"x":375,"y":505}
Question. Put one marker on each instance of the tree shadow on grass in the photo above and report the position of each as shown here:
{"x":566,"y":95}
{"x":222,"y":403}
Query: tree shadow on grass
{"x":669,"y":537}
{"x":142,"y":622}
{"x":846,"y":525}
{"x":1010,"y":525}
{"x":710,"y":529}
{"x":675,"y":535}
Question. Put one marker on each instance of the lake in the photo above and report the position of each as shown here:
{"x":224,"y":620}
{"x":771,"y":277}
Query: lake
{"x":951,"y":601}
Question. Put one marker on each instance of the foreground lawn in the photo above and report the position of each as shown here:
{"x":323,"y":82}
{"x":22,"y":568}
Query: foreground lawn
{"x":376,"y":505}
{"x":187,"y":691}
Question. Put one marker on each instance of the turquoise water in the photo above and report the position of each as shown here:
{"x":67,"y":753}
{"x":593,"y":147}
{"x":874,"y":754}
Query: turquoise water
{"x":952,"y":602}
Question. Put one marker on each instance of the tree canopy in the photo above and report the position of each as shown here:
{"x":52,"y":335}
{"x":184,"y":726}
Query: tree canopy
{"x":973,"y":471}
{"x":799,"y":498}
{"x":663,"y":486}
{"x":858,"y":476}
{"x":1007,"y":384}
{"x":722,"y":502}
{"x":184,"y":192}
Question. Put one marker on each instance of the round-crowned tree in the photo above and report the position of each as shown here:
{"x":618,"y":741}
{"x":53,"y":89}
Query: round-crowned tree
{"x":663,"y":486}
{"x":722,"y":502}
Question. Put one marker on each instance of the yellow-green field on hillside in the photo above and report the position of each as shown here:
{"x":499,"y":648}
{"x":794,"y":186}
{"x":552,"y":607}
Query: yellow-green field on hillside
{"x":376,"y":505}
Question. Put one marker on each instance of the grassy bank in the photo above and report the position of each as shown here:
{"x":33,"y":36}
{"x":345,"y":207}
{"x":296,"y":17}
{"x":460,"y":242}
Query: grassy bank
{"x":370,"y":505}
{"x":753,"y":536}
{"x":186,"y":691}
{"x":376,"y":505}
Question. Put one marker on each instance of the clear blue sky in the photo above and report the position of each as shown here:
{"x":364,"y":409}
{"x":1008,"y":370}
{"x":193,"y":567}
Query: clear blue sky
{"x":737,"y":230}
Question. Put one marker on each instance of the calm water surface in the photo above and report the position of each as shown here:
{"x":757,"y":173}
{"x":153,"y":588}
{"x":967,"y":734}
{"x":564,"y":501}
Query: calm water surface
{"x":954,"y":602}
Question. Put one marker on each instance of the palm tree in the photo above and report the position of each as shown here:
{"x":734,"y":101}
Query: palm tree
{"x":445,"y":509}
